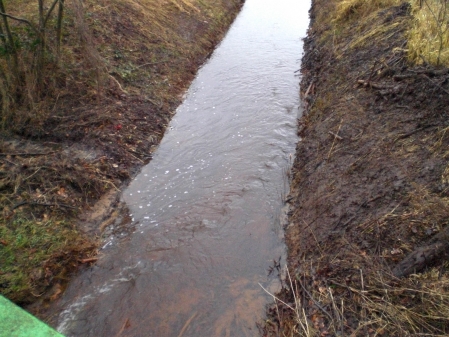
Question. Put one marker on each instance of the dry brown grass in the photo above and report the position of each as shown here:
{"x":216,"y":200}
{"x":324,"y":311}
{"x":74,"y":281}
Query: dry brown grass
{"x":388,"y":307}
{"x":428,"y":33}
{"x":354,"y":294}
{"x":428,"y":39}
{"x":145,"y":47}
{"x":357,"y":9}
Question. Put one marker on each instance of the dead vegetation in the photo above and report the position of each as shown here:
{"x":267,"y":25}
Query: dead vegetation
{"x":367,"y":237}
{"x":101,"y":108}
{"x":428,"y":40}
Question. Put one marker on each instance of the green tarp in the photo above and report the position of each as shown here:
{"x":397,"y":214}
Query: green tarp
{"x":16,"y":322}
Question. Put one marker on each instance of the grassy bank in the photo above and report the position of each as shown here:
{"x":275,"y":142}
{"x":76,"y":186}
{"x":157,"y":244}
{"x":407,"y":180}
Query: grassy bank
{"x":78,"y":122}
{"x":367,"y":237}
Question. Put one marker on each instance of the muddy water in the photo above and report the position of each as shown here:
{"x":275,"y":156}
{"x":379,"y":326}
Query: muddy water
{"x":206,"y":209}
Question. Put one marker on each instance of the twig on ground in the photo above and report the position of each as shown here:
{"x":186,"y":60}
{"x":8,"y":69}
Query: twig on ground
{"x":403,"y":77}
{"x":130,"y":152}
{"x":335,"y":138}
{"x":118,"y":84}
{"x":12,"y":163}
{"x":92,"y":259}
{"x":361,"y":278}
{"x":337,"y":313}
{"x":335,"y":135}
{"x":124,"y":326}
{"x":186,"y":325}
{"x":32,"y":174}
{"x":374,"y":85}
{"x":139,"y":153}
{"x":276,"y":298}
{"x":298,"y":306}
{"x":308,"y":90}
{"x":110,"y":182}
{"x":408,"y":134}
{"x":435,"y":84}
{"x":317,"y":243}
{"x":314,"y":301}
{"x":431,"y":72}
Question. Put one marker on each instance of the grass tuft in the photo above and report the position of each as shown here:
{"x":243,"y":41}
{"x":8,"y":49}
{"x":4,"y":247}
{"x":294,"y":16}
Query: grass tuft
{"x":356,"y":9}
{"x":428,"y":39}
{"x":34,"y":255}
{"x":428,"y":32}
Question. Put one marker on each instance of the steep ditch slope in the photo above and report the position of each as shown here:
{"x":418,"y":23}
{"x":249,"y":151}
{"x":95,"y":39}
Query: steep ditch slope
{"x":367,"y":233}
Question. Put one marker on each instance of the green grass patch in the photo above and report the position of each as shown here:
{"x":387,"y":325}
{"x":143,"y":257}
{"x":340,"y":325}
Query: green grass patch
{"x":34,"y":254}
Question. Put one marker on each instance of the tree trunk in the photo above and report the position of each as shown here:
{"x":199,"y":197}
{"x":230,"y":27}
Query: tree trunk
{"x":11,"y":45}
{"x":3,"y":37}
{"x":41,"y":49}
{"x":59,"y":29}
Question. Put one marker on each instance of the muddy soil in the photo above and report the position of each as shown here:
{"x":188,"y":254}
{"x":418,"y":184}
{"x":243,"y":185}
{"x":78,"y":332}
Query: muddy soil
{"x":369,"y":182}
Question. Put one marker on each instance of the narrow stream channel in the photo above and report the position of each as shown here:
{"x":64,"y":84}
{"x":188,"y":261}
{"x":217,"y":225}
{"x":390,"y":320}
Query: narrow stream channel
{"x":207,"y":207}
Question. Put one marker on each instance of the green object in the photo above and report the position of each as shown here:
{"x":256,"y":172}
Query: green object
{"x":16,"y":322}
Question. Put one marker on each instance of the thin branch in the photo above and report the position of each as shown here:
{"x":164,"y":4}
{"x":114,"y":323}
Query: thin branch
{"x":59,"y":28}
{"x":52,"y":7}
{"x":88,"y":260}
{"x":333,"y":143}
{"x":276,"y":298}
{"x":186,"y":325}
{"x":3,"y":37}
{"x":315,"y":302}
{"x":436,"y":84}
{"x":408,"y":134}
{"x":20,"y":20}
{"x":11,"y":44}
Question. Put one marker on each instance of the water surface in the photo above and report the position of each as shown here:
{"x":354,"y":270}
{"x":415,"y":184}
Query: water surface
{"x":206,"y":209}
